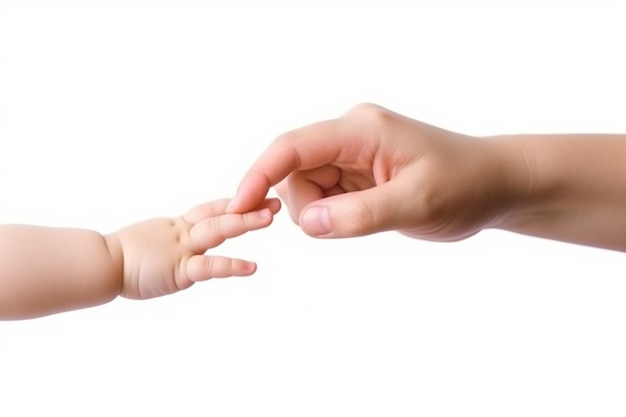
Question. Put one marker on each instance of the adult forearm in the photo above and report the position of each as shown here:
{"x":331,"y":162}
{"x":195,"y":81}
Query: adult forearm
{"x":47,"y":270}
{"x":573,"y":188}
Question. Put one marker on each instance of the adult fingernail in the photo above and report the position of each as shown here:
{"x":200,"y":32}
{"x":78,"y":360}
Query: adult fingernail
{"x":316,"y":221}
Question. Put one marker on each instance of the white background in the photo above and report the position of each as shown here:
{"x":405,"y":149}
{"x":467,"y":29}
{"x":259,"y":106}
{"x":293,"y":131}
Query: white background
{"x":110,"y":116}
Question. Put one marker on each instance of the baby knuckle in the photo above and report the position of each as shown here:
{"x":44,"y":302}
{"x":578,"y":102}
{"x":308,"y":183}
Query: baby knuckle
{"x":211,"y":264}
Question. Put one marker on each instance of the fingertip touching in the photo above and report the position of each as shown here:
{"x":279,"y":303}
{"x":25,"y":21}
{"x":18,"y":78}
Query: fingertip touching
{"x":274,"y":205}
{"x":250,"y":194}
{"x":301,"y":149}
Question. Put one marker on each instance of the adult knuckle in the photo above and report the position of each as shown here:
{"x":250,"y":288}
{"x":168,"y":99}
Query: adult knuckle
{"x":364,"y":107}
{"x":358,"y":220}
{"x":372,"y":116}
{"x":287,"y":138}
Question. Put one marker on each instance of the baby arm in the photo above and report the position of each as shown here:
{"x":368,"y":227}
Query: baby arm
{"x":49,"y":270}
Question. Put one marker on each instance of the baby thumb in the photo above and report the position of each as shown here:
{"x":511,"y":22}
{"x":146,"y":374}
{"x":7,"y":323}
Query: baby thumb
{"x":352,"y":214}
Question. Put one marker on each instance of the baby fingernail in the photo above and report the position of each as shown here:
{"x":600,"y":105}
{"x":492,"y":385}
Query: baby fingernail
{"x":316,"y":221}
{"x":265,"y":214}
{"x":231,"y":204}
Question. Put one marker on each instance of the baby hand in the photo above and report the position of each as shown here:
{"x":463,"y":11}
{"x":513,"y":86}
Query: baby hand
{"x":163,"y":256}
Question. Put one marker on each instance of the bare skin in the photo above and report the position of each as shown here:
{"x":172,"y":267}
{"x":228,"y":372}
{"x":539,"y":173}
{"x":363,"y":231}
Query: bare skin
{"x":49,"y":270}
{"x":373,"y":170}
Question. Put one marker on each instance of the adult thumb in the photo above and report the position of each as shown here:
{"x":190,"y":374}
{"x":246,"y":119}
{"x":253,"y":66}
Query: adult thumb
{"x":355,"y":213}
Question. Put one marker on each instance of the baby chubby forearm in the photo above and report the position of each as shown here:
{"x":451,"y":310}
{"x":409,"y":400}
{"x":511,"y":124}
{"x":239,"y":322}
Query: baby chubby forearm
{"x":45,"y":270}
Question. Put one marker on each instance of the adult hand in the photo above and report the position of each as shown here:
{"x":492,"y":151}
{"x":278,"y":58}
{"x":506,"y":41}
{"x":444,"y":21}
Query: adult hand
{"x":374,"y":170}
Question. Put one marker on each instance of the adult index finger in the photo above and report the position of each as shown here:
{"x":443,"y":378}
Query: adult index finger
{"x":305,"y":148}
